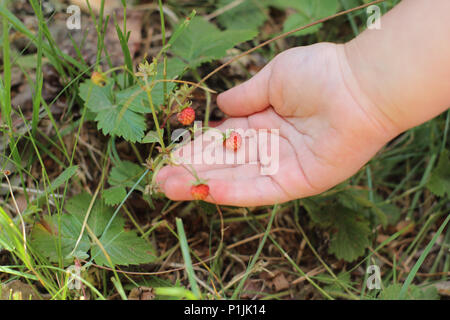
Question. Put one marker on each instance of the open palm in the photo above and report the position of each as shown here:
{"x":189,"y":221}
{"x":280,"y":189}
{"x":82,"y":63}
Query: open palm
{"x":327,"y":128}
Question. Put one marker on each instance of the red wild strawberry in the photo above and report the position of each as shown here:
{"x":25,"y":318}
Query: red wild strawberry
{"x":234,"y":141}
{"x":186,"y":116}
{"x":200,"y":191}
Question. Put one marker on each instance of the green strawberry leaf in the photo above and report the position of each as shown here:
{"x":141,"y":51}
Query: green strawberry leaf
{"x":358,"y":200}
{"x":351,"y":236}
{"x":115,"y":118}
{"x":114,"y":195}
{"x":47,"y":243}
{"x":439,"y":181}
{"x":134,"y":98}
{"x":125,"y":174}
{"x":181,"y":27}
{"x":202,"y":41}
{"x":174,"y":69}
{"x":122,"y":123}
{"x":317,"y":214}
{"x":97,"y":98}
{"x":151,"y":137}
{"x":248,"y":15}
{"x":308,"y":11}
{"x":350,"y":229}
{"x":122,"y":247}
{"x":99,"y":215}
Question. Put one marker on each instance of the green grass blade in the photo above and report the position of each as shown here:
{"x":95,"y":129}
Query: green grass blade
{"x":126,"y":51}
{"x":187,"y":258}
{"x":256,"y":256}
{"x":422,"y":257}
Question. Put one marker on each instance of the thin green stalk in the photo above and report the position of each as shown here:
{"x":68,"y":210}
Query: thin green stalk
{"x":256,"y":256}
{"x":370,"y":184}
{"x":39,"y":75}
{"x":55,"y":58}
{"x":163,"y":31}
{"x":36,"y":104}
{"x":296,"y":267}
{"x":187,"y":258}
{"x":444,"y":247}
{"x":422,"y":232}
{"x":118,"y":285}
{"x":5,"y":97}
{"x":155,"y":117}
{"x":121,"y":204}
{"x":208,"y":98}
{"x":446,"y":128}
{"x":316,"y":254}
{"x":423,"y":181}
{"x":421,"y":259}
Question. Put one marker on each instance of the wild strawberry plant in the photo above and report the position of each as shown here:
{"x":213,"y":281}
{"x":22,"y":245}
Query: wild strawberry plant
{"x":134,"y":105}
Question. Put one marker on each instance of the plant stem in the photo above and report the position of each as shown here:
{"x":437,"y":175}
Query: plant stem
{"x":163,"y":31}
{"x":155,"y":118}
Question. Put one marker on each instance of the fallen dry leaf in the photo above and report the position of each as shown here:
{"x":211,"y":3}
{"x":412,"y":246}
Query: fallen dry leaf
{"x":141,"y":293}
{"x":22,"y":203}
{"x":280,"y":283}
{"x":403,"y":224}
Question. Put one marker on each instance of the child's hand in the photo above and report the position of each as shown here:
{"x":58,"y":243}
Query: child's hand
{"x":328,"y":130}
{"x":335,"y":106}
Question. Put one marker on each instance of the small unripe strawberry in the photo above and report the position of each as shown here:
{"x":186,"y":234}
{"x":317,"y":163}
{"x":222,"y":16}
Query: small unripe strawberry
{"x":98,"y":78}
{"x":186,"y":116}
{"x":200,"y":191}
{"x":234,"y":141}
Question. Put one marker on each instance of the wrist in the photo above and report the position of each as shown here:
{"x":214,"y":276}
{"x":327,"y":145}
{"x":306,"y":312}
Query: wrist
{"x":403,"y":68}
{"x":361,"y":82}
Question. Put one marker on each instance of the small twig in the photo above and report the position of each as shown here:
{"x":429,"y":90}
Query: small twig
{"x":155,"y":7}
{"x":405,"y":268}
{"x":312,"y":273}
{"x":92,"y":148}
{"x":256,"y":237}
{"x":224,"y":9}
{"x":147,"y":273}
{"x":204,"y":285}
{"x":172,"y":207}
{"x":29,"y":190}
{"x":187,"y":82}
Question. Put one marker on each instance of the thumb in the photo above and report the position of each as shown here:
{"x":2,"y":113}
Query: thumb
{"x":249,"y":97}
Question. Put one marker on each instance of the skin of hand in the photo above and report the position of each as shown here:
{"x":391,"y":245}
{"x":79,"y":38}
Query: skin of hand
{"x":332,"y":116}
{"x":325,"y":135}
